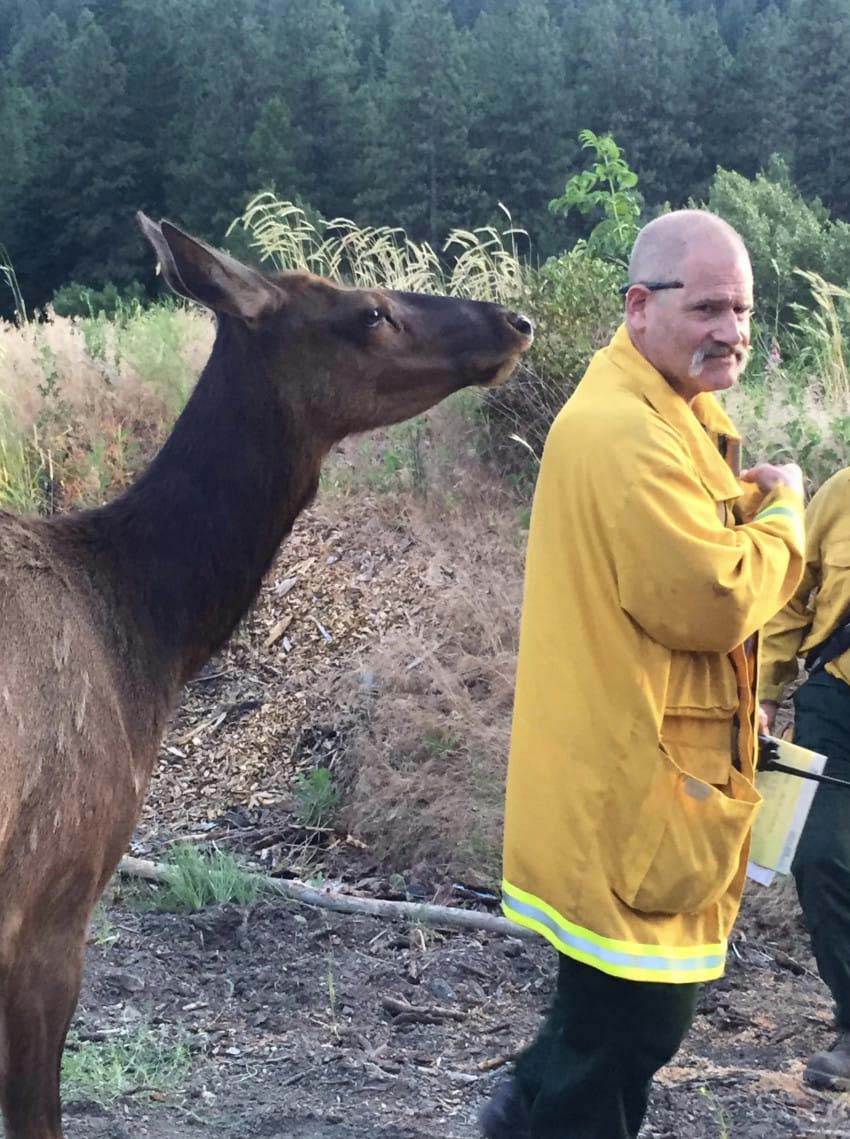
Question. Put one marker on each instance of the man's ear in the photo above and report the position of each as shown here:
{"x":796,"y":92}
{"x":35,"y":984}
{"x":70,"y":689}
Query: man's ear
{"x":636,"y":299}
{"x":200,"y":273}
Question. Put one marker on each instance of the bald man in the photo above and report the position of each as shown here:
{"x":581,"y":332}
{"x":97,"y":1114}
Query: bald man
{"x":652,"y":562}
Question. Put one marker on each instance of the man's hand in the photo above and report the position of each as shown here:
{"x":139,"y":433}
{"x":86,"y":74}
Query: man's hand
{"x":767,"y":715}
{"x":766,"y":477}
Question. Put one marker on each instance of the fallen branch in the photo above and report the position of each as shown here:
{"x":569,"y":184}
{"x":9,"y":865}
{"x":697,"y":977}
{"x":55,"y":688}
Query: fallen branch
{"x":405,"y":1013}
{"x":350,"y":904}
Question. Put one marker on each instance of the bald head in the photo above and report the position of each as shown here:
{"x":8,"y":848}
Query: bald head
{"x":689,"y":301}
{"x":665,"y":246}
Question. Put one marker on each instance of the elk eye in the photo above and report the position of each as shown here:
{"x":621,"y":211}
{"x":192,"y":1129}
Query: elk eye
{"x":373,"y":316}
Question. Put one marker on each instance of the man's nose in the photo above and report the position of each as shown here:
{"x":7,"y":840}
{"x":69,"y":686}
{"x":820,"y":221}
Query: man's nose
{"x":731,"y":328}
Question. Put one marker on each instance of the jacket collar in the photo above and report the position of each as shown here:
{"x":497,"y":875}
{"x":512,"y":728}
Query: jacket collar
{"x":701,"y":424}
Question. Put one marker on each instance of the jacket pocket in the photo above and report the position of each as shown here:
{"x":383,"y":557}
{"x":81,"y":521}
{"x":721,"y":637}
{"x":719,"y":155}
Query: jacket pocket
{"x":687,"y":842}
{"x":837,"y":553}
{"x":700,"y":747}
{"x":700,"y":703}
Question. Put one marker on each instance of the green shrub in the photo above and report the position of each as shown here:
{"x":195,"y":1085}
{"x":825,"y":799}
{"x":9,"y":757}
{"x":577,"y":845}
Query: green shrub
{"x":576,"y":308}
{"x":81,"y":300}
{"x":783,"y":233}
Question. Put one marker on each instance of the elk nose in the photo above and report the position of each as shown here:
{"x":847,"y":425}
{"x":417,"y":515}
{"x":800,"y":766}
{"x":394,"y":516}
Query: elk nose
{"x":521,"y":323}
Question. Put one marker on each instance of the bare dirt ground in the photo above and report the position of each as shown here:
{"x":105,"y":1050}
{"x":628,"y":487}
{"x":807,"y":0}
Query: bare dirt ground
{"x":310,"y":1025}
{"x":302,"y":1024}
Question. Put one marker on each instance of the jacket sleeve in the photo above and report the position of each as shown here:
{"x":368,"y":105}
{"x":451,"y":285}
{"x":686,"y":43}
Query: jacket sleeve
{"x":783,"y":636}
{"x":688,"y":580}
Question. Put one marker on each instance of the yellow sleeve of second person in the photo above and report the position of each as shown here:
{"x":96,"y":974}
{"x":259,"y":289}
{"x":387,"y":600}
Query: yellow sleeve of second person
{"x":822,"y":598}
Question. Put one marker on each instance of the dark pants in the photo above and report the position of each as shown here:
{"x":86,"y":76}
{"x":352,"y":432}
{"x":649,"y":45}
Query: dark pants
{"x":821,"y":865}
{"x":588,"y":1073}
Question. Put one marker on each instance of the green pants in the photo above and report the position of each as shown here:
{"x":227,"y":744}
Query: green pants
{"x":821,"y":865}
{"x":588,"y":1073}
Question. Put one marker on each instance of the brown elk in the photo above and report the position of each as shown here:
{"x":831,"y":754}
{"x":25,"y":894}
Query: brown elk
{"x":106,"y":613}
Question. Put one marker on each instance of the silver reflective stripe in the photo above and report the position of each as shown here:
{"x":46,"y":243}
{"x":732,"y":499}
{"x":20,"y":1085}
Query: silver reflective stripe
{"x":615,"y":957}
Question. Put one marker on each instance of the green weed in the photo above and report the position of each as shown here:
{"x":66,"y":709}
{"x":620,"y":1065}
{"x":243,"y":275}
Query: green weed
{"x":316,"y":797}
{"x":101,"y":929}
{"x":26,"y":473}
{"x":153,"y":344}
{"x":204,"y":878}
{"x":7,"y":274}
{"x":718,"y":1111}
{"x":440,"y":743}
{"x":140,"y":1061}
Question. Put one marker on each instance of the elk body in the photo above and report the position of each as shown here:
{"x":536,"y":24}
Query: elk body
{"x":105,"y":614}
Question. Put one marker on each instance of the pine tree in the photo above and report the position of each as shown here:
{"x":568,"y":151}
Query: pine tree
{"x":707,"y":87}
{"x":270,"y":150}
{"x":422,"y":172}
{"x":19,"y":132}
{"x":759,"y":88}
{"x":78,"y":213}
{"x":521,"y":109}
{"x":820,"y":34}
{"x":629,"y":65}
{"x":33,"y":58}
{"x":144,"y":34}
{"x":222,"y":59}
{"x":317,"y":80}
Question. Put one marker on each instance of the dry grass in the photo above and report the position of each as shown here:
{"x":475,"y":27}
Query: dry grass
{"x":431,"y":703}
{"x":786,"y":417}
{"x":85,"y":403}
{"x":480,"y":263}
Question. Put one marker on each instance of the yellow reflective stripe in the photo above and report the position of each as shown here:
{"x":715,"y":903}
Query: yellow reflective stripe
{"x":631,"y":960}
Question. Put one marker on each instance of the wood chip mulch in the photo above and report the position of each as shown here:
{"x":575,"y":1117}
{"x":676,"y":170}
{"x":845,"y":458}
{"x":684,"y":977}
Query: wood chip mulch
{"x":268,"y":707}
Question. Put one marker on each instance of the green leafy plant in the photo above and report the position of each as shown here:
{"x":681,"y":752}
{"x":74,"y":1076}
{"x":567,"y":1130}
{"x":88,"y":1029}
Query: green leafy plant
{"x":440,"y":743}
{"x":718,"y":1111}
{"x":155,"y":345}
{"x":609,"y":185}
{"x":821,"y":335}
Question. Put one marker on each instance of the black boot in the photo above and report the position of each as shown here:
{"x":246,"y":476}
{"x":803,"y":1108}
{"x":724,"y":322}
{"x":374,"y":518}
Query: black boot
{"x":506,"y":1114}
{"x":831,"y":1068}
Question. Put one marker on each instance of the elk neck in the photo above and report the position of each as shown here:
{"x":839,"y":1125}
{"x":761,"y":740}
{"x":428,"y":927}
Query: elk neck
{"x":188,"y":544}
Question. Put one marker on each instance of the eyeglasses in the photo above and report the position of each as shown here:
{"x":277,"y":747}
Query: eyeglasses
{"x":653,"y":286}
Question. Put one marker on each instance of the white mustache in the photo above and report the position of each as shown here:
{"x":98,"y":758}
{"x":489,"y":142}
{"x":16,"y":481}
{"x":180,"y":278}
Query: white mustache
{"x":702,"y":354}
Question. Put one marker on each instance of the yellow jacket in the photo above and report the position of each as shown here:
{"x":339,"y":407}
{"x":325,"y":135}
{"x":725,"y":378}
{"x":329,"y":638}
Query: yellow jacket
{"x":627,"y":823}
{"x":822,"y":597}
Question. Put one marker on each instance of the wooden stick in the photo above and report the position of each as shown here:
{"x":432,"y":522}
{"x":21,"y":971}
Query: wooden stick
{"x":350,"y":904}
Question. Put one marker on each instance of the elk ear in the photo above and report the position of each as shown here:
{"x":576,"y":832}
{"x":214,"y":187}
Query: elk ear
{"x":200,"y":273}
